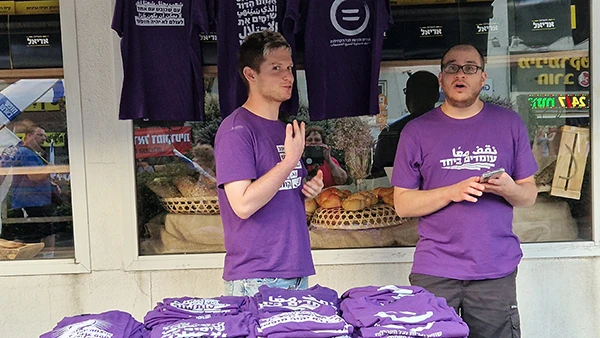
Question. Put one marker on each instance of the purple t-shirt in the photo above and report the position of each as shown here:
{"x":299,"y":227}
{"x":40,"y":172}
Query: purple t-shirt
{"x":342,"y":56}
{"x":468,"y":241}
{"x":235,"y":21}
{"x":317,"y":298}
{"x":235,"y":326}
{"x":302,"y":324}
{"x":162,"y":64}
{"x":174,"y":309}
{"x":110,"y":324}
{"x":274,"y":241}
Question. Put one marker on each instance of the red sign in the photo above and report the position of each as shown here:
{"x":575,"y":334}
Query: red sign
{"x":155,"y":142}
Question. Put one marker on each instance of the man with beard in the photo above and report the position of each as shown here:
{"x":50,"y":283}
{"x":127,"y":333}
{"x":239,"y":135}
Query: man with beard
{"x":467,"y":251}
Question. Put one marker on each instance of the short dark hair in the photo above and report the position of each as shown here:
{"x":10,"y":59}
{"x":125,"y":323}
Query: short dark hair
{"x":256,"y":47}
{"x":464,"y":46}
{"x":315,"y":129}
{"x":423,"y":82}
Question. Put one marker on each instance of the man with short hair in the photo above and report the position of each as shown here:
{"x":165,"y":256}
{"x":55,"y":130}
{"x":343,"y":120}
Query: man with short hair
{"x":467,"y":251}
{"x":261,"y":178}
{"x":422,"y":92}
{"x":31,"y":193}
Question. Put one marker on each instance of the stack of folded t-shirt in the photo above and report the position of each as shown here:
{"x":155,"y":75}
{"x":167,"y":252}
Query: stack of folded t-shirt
{"x":400,"y":311}
{"x":225,"y":316}
{"x":299,"y":313}
{"x":110,"y":324}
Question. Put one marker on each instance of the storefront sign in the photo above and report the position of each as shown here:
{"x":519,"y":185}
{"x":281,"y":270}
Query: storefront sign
{"x":564,"y":101}
{"x":7,"y":7}
{"x":37,"y":7}
{"x":155,"y":142}
{"x":552,"y":73}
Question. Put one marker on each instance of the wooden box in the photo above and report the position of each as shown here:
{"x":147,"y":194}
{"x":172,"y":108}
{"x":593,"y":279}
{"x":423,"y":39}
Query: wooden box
{"x":571,"y":161}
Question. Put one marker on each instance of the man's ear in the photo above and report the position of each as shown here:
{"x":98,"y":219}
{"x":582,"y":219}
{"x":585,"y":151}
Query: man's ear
{"x":249,"y":73}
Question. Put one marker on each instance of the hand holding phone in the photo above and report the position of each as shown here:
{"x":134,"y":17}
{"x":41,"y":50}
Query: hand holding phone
{"x":491,"y":174}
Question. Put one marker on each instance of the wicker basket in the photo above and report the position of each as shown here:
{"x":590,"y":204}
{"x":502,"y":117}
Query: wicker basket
{"x":191,"y":205}
{"x":376,"y":216}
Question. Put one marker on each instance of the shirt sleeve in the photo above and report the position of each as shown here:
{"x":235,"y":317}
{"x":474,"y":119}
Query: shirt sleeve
{"x":407,"y":164}
{"x":234,"y":155}
{"x":118,"y":20}
{"x":525,"y":164}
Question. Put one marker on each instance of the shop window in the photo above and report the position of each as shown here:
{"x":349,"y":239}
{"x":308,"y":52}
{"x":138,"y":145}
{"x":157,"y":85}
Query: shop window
{"x":35,"y":189}
{"x":538,"y":64}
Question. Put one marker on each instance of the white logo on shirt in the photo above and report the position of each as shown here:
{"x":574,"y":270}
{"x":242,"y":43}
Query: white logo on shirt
{"x":89,"y":328}
{"x":481,"y":158}
{"x":349,"y":15}
{"x":188,"y":329}
{"x":294,"y":180}
{"x":150,"y":13}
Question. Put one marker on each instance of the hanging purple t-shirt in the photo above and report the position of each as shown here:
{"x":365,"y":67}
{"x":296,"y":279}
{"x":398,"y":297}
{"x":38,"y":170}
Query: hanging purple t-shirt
{"x":467,"y":241}
{"x":235,"y":21}
{"x":162,"y":64}
{"x":342,"y":56}
{"x":274,"y":241}
{"x":110,"y":324}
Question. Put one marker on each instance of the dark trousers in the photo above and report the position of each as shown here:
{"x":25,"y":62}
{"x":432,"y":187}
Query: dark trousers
{"x":489,"y":307}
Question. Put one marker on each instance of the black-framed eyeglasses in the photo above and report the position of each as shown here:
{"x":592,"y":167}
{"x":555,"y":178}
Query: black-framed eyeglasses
{"x":451,"y":68}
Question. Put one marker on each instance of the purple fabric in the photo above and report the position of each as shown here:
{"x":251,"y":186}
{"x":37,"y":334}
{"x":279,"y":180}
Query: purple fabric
{"x":240,"y":325}
{"x":302,"y":324}
{"x":400,"y":311}
{"x":235,"y":21}
{"x":162,"y":65}
{"x":318,"y":299}
{"x":274,"y":241}
{"x":110,"y":324}
{"x":418,"y":309}
{"x":382,"y":293}
{"x":343,"y":55}
{"x":433,"y":329}
{"x":466,"y":241}
{"x":175,"y":309}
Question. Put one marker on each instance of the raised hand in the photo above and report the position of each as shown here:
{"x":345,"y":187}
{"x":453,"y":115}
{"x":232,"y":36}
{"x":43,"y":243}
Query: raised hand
{"x":294,"y":141}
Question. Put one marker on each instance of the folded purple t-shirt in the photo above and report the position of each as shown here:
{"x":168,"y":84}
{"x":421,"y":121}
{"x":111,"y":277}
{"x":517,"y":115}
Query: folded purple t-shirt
{"x":110,"y":324}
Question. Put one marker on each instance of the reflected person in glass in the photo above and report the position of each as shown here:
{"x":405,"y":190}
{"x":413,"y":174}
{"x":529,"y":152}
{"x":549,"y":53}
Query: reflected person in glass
{"x":31,"y":194}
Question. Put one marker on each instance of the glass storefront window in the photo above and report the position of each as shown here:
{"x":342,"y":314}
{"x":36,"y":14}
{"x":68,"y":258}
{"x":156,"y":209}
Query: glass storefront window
{"x":538,"y":64}
{"x":35,"y":189}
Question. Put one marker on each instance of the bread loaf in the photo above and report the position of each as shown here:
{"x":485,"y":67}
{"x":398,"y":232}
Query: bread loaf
{"x":310,"y":205}
{"x":332,"y":198}
{"x":359,"y":201}
{"x":381,"y":191}
{"x":388,"y":199}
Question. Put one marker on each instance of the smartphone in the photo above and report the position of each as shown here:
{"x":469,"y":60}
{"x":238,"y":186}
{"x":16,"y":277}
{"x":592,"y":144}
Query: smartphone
{"x":313,"y":155}
{"x":491,"y":174}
